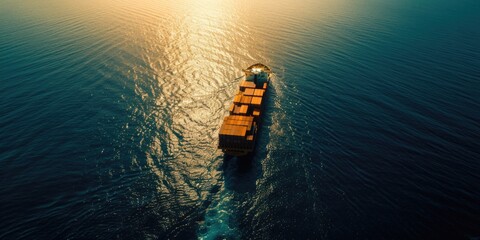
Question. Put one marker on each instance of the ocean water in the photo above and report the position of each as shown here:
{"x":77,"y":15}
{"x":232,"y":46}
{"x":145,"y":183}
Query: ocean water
{"x":110,"y":112}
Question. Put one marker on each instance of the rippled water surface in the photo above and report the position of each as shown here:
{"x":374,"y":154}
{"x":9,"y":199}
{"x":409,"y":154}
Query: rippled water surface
{"x":110,"y":112}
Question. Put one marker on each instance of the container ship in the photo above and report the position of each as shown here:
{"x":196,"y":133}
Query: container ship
{"x":239,"y":129}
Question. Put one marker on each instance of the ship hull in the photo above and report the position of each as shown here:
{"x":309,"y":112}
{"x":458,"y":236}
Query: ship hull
{"x":238,"y":133}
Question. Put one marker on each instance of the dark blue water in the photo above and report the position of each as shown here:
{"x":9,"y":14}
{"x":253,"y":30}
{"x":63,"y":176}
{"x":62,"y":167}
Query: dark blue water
{"x":110,"y":112}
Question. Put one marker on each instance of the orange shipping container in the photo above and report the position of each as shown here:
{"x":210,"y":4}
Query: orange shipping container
{"x":246,"y":99}
{"x":259,"y":92}
{"x":243,"y":109}
{"x":249,"y":92}
{"x":256,"y":101}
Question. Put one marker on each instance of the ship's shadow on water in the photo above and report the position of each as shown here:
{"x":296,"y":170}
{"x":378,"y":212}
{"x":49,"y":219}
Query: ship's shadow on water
{"x":222,"y":213}
{"x":240,"y":173}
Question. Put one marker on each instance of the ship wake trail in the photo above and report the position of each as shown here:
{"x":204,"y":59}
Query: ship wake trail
{"x":220,"y":222}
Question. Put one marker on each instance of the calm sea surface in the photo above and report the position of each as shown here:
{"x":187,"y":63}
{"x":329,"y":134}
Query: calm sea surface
{"x":110,"y":112}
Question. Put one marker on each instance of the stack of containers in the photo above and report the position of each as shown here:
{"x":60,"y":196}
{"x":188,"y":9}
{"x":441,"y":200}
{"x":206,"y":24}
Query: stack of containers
{"x":237,"y":132}
{"x":238,"y":129}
